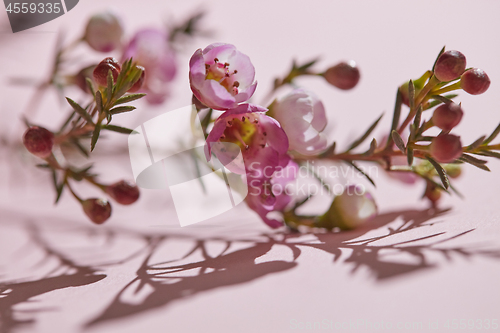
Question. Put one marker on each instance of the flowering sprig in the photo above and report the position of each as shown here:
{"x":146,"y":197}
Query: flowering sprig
{"x":301,"y":116}
{"x":109,"y":87}
{"x":114,"y":83}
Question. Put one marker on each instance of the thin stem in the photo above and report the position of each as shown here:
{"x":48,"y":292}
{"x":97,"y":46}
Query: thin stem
{"x":451,"y":87}
{"x":71,"y":190}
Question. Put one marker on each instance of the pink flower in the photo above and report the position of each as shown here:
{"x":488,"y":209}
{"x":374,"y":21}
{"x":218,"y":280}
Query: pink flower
{"x":104,"y":32}
{"x":303,"y":118}
{"x":260,"y":138}
{"x":221,"y":77}
{"x":271,"y":195}
{"x":263,"y":145}
{"x":150,"y":49}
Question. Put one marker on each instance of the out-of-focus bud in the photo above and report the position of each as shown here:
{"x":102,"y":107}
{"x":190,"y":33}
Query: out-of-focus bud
{"x":433,"y":194}
{"x":101,"y":71}
{"x":475,"y":81}
{"x":80,"y":78}
{"x":446,"y":148}
{"x":123,"y":192}
{"x":453,"y":170}
{"x":344,"y":75}
{"x":98,"y":210}
{"x":138,"y":84}
{"x":447,"y":116}
{"x":349,"y":210}
{"x":38,"y":141}
{"x":449,"y":66}
{"x":104,"y":32}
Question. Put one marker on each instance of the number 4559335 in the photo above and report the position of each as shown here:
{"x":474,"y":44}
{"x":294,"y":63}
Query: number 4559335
{"x":33,"y":8}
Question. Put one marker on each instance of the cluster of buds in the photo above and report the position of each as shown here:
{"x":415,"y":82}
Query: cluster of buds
{"x":116,"y":86}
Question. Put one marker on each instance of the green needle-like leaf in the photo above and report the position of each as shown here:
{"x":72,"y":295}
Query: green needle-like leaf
{"x":364,"y":136}
{"x":411,"y":94}
{"x":361,"y":171}
{"x":81,"y":111}
{"x":118,"y":129}
{"x":95,"y":136}
{"x":435,"y":61}
{"x":492,"y":136}
{"x":122,"y":109}
{"x":129,"y":98}
{"x":398,"y":141}
{"x":441,"y":172}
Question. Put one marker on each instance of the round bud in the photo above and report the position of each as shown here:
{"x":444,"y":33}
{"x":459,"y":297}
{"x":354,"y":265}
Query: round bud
{"x":447,"y":116}
{"x":98,"y":210}
{"x":344,"y":75}
{"x":453,"y":170}
{"x":80,"y":79}
{"x":101,"y":71}
{"x":449,"y":66}
{"x":123,"y":192}
{"x":433,"y":194}
{"x":349,"y":210}
{"x":475,"y":81}
{"x":39,"y":141}
{"x":138,"y":84}
{"x":446,"y":148}
{"x":104,"y":32}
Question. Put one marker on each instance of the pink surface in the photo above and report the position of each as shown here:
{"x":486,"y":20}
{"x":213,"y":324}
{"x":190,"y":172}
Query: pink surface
{"x":142,"y":272}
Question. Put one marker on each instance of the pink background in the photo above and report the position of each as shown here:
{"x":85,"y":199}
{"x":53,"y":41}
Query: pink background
{"x":67,"y":275}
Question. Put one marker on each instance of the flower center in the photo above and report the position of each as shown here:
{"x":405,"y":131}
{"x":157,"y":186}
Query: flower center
{"x":241,"y":130}
{"x":220,"y":72}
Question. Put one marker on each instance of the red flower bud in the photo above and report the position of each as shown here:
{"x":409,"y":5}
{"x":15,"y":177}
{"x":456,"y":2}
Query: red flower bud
{"x":98,"y":210}
{"x":447,"y":116}
{"x":123,"y":192}
{"x":344,"y":75}
{"x":138,"y":84}
{"x":101,"y":71}
{"x":446,"y":148}
{"x":475,"y":81}
{"x":449,"y":66}
{"x":39,"y":141}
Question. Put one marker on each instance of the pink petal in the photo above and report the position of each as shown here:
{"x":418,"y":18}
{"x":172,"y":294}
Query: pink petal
{"x":275,"y":135}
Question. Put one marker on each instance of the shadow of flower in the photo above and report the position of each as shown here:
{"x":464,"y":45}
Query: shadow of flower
{"x":159,"y":283}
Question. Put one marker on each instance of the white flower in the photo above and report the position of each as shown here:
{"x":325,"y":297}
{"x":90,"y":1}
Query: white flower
{"x":303,"y":117}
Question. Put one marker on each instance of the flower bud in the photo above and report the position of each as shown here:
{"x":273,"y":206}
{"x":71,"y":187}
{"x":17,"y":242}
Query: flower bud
{"x":80,"y":79}
{"x":449,"y":66}
{"x":446,"y":148}
{"x":475,"y":81}
{"x":38,"y":141}
{"x":432,"y":193}
{"x":101,"y":71}
{"x":104,"y":32}
{"x":123,"y":192}
{"x":447,"y":116}
{"x":303,"y":118}
{"x":453,"y":170}
{"x":98,"y":210}
{"x":344,"y":75}
{"x":138,"y":84}
{"x":349,"y":210}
